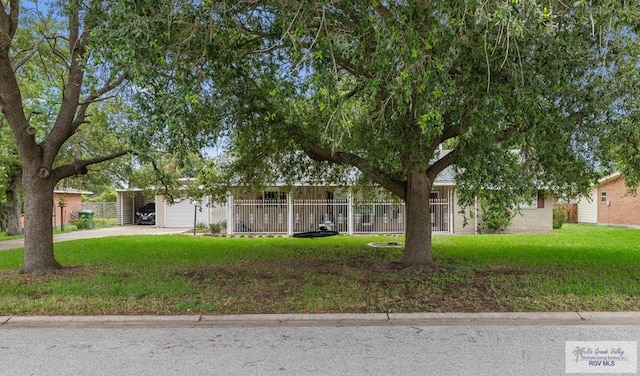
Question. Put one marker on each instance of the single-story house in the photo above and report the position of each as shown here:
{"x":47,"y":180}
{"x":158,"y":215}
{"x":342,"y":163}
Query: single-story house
{"x":610,"y":203}
{"x":304,"y":208}
{"x":66,"y":204}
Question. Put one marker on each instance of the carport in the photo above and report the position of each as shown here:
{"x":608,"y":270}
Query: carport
{"x":128,"y":201}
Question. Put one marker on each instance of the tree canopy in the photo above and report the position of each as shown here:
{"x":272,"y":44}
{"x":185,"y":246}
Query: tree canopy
{"x":53,"y":81}
{"x":516,"y":95}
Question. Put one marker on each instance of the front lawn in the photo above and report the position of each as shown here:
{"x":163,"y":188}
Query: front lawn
{"x":579,"y":267}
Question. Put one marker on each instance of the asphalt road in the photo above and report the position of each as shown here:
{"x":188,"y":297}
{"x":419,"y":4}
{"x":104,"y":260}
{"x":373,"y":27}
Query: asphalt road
{"x":421,"y":344}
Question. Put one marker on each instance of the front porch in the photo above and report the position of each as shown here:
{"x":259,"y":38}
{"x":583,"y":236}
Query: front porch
{"x":288,"y":215}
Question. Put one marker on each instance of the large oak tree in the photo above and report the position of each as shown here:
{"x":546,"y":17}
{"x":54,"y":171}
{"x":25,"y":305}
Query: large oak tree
{"x":76,"y":82}
{"x":523,"y":94}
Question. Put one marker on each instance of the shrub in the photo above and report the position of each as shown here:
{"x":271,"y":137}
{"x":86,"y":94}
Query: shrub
{"x":80,"y":223}
{"x":495,"y":215}
{"x":216,"y":228}
{"x":558,"y":216}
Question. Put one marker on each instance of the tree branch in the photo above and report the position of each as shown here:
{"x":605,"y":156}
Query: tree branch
{"x":448,"y":160}
{"x":84,"y":105}
{"x":314,"y":151}
{"x":9,"y":22}
{"x":79,"y":167}
{"x":17,"y":65}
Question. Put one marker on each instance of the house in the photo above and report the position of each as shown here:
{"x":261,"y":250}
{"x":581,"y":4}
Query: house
{"x":285,"y":210}
{"x":66,"y":204}
{"x":609,"y":203}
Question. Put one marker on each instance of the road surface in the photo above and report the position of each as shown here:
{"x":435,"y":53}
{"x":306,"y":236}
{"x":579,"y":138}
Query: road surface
{"x":378,"y":344}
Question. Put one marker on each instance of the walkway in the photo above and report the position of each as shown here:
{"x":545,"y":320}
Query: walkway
{"x":99,"y":233}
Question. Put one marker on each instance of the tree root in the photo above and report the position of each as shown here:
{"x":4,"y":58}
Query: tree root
{"x":48,"y":270}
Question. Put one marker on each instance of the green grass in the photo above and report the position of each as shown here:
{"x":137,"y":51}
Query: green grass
{"x":97,"y":222}
{"x":576,"y":268}
{"x":4,"y":236}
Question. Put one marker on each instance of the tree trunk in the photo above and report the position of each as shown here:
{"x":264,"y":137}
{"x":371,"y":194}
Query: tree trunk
{"x":417,"y":253}
{"x":13,"y":206}
{"x":38,"y":226}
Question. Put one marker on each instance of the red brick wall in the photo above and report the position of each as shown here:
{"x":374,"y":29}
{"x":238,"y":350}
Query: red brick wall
{"x":624,"y":208}
{"x":73,"y":204}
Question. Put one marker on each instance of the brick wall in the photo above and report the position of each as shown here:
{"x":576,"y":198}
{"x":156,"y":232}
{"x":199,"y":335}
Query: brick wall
{"x":73,"y":203}
{"x":533,"y":220}
{"x":529,"y":220}
{"x":624,"y":208}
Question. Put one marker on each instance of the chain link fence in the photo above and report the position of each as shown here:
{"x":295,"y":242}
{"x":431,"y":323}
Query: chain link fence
{"x":104,"y":213}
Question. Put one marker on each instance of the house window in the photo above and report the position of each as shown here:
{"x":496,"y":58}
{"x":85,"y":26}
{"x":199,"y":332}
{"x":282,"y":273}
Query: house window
{"x":270,"y":196}
{"x":536,"y":202}
{"x":603,"y":197}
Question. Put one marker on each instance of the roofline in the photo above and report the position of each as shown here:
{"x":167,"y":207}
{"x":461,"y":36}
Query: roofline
{"x":609,"y":178}
{"x":72,"y":191}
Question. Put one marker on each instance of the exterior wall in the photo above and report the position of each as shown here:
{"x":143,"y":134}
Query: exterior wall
{"x":588,"y":208}
{"x":161,"y":211}
{"x":218,"y":213}
{"x":459,"y":219}
{"x":533,"y":219}
{"x":261,"y":213}
{"x":73,"y":203}
{"x":529,"y":220}
{"x":624,"y":209}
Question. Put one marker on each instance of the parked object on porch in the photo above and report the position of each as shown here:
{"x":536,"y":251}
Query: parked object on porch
{"x":146,"y":215}
{"x":324,"y":230}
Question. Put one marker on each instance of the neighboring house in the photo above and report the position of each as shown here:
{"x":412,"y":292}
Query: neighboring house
{"x":609,"y":203}
{"x":303,"y":208}
{"x":66,"y":204}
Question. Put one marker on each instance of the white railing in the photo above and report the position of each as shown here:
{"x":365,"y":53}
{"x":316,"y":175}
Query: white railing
{"x":367,"y":216}
{"x":260,"y":216}
{"x":309,"y":215}
{"x":383,"y":216}
{"x":439,"y":215}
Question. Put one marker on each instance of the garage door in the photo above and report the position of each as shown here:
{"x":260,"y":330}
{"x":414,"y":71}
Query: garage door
{"x":180,"y":214}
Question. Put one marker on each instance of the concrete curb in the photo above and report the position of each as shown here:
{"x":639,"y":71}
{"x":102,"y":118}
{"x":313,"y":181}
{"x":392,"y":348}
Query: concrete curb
{"x":342,"y":319}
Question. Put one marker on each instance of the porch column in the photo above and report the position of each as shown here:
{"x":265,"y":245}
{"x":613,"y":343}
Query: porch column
{"x":350,"y":213}
{"x":451,"y":210}
{"x":289,"y":213}
{"x":230,"y":222}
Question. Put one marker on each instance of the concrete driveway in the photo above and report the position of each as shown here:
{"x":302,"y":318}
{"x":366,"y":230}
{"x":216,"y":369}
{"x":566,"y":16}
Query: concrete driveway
{"x":100,"y":233}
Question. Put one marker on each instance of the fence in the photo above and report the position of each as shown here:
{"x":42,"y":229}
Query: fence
{"x":378,"y":216}
{"x":260,"y":216}
{"x":357,"y":216}
{"x":308,"y":215}
{"x":570,"y":212}
{"x":101,"y":209}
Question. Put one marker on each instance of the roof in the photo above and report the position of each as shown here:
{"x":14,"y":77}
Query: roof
{"x":609,"y":178}
{"x":72,"y":191}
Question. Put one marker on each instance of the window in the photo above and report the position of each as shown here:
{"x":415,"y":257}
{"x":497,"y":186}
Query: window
{"x":270,"y":196}
{"x":603,"y":197}
{"x":536,"y":202}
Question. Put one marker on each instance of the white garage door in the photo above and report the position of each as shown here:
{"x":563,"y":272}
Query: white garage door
{"x":180,"y":214}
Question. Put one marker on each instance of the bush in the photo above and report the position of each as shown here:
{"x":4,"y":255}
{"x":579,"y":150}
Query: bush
{"x":80,"y":223}
{"x":495,"y":215}
{"x":216,"y":228}
{"x":558,"y":216}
